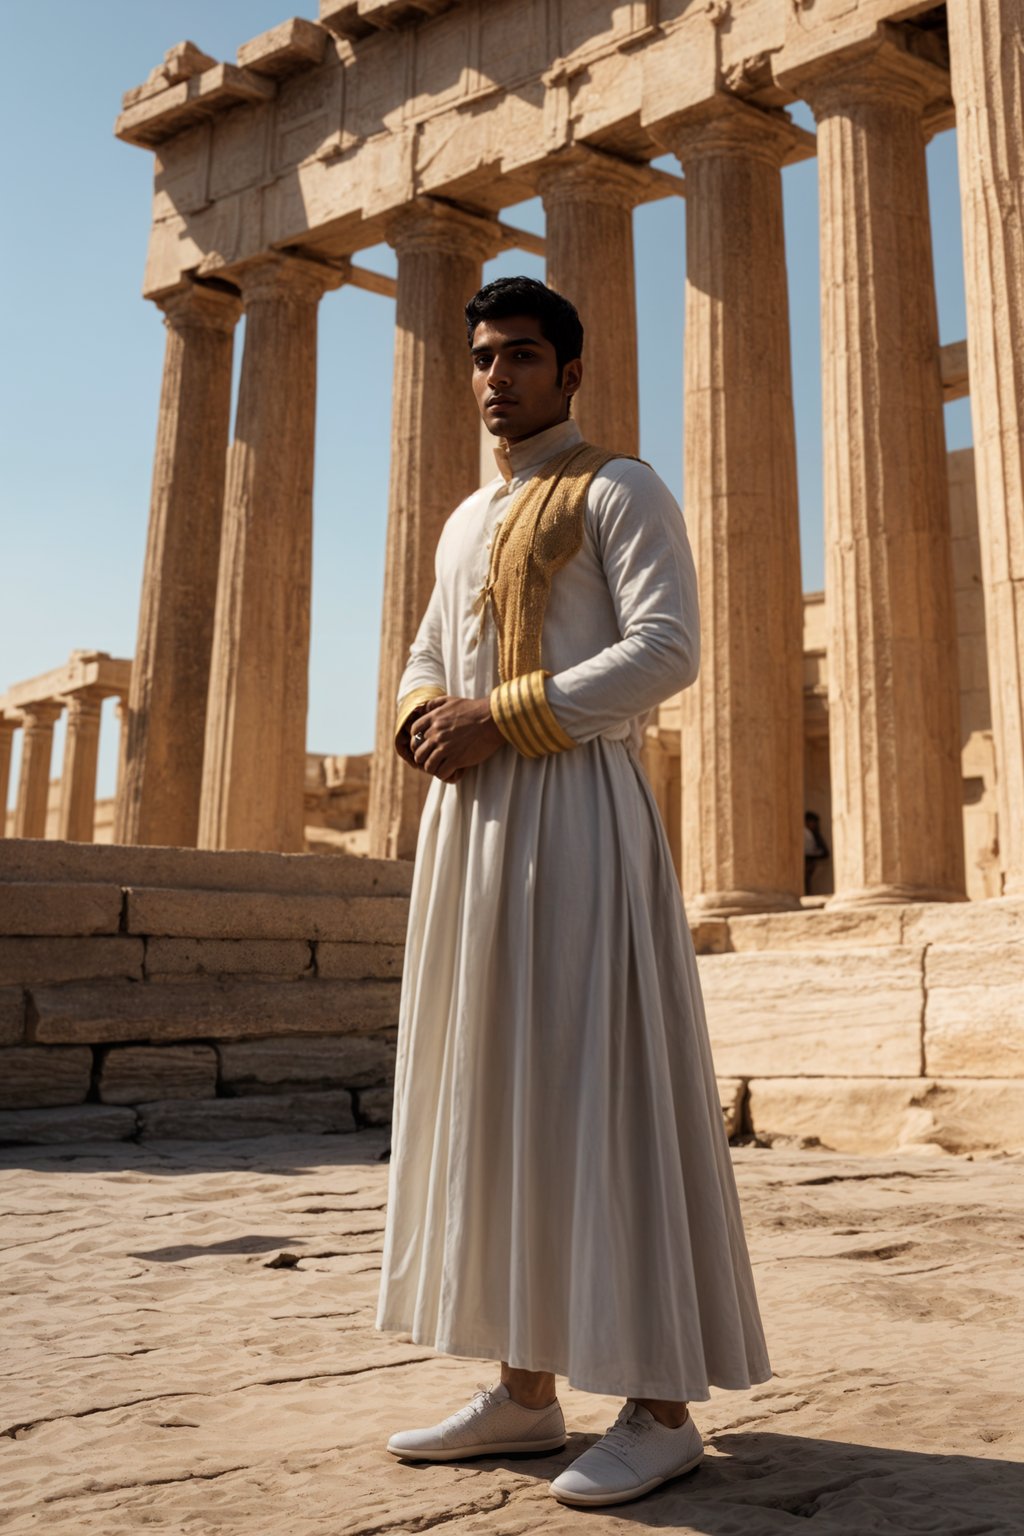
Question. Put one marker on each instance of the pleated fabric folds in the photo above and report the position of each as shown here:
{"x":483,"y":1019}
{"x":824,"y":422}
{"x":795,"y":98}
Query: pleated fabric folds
{"x":561,"y":1194}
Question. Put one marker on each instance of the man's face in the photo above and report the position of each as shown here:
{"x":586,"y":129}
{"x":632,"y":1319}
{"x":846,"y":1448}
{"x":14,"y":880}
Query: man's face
{"x":515,"y":378}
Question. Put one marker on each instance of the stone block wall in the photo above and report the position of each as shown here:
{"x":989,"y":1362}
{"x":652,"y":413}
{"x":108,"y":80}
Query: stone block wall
{"x":167,"y":992}
{"x":875,"y":1029}
{"x":158,"y":992}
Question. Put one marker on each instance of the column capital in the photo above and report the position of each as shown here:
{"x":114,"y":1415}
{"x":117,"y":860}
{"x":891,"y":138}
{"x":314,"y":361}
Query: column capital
{"x":582,"y":175}
{"x":201,"y":306}
{"x":42,"y":713}
{"x":727,"y":125}
{"x":279,"y":275}
{"x":85,"y":703}
{"x":879,"y":68}
{"x":427,"y":224}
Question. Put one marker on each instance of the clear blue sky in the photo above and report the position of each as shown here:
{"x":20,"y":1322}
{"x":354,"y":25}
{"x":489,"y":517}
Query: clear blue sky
{"x":83,"y":355}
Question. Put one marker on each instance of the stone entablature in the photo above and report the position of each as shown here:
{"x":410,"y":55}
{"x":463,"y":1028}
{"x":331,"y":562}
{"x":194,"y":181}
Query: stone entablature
{"x":320,"y":134}
{"x":34,"y":707}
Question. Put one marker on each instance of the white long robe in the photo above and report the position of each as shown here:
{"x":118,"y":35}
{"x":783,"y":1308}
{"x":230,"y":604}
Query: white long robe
{"x":560,"y":1191}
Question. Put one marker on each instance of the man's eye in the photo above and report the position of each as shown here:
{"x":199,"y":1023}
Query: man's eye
{"x":524,"y":355}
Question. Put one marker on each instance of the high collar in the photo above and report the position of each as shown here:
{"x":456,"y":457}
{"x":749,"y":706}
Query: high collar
{"x":516,"y":460}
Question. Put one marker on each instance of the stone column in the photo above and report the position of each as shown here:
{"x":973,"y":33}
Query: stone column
{"x":255,"y":751}
{"x":588,"y":204}
{"x":38,"y":721}
{"x":81,"y":750}
{"x":8,"y":726}
{"x":158,"y":801}
{"x":435,"y":464}
{"x":892,"y":654}
{"x":121,"y":716}
{"x":986,"y":40}
{"x":743,"y":719}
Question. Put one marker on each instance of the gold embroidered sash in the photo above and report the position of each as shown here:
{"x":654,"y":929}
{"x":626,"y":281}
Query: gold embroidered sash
{"x":541,"y":532}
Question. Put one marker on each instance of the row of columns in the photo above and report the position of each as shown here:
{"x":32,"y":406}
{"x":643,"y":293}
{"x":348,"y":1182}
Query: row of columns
{"x":588,"y":202}
{"x":894,"y":689}
{"x":36,"y":721}
{"x":236,"y":781}
{"x":216,"y":731}
{"x":216,"y":736}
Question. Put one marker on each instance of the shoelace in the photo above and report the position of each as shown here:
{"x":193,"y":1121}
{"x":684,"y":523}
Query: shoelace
{"x":623,"y":1434}
{"x":480,"y":1397}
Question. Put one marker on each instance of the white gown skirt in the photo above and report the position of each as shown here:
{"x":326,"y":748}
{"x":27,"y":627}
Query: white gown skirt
{"x":561,"y":1192}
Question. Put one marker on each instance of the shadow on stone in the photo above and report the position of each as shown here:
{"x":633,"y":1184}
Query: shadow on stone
{"x":764,"y":1480}
{"x":288,"y":1155}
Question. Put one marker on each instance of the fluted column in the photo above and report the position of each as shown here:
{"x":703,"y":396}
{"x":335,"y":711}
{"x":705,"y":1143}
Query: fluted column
{"x":158,"y":799}
{"x":8,"y":726}
{"x":255,"y":749}
{"x":892,"y":654}
{"x":78,"y":782}
{"x":986,"y":39}
{"x":435,"y":453}
{"x":588,"y":205}
{"x":121,"y":716}
{"x":743,"y":718}
{"x":38,"y":721}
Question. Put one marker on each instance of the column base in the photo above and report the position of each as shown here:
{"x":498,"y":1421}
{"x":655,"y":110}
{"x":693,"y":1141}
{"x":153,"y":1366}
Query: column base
{"x":741,"y":903}
{"x":891,"y":896}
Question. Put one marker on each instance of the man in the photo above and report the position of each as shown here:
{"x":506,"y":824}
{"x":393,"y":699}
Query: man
{"x":561,"y":1195}
{"x":816,"y":850}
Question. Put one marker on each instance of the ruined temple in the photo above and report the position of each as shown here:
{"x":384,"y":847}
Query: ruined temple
{"x":417,"y":122}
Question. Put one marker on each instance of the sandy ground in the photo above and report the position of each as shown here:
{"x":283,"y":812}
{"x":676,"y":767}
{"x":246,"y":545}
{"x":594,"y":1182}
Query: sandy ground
{"x":168,"y":1367}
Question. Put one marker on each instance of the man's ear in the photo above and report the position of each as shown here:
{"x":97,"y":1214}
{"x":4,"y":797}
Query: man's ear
{"x":572,"y":376}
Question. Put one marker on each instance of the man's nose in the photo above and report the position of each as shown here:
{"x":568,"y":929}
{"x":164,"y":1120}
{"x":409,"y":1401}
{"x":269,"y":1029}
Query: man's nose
{"x":497,"y":373}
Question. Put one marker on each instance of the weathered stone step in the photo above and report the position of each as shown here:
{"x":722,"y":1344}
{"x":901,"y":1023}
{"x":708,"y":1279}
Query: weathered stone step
{"x":996,"y":920}
{"x":138,"y":1074}
{"x":222,"y":1009}
{"x":871,"y":1114}
{"x":265,"y":915}
{"x":83,"y":1123}
{"x":834,"y":1012}
{"x":29,"y":859}
{"x":351,"y":1061}
{"x":49,"y":961}
{"x":37,"y":1075}
{"x":290,"y":1114}
{"x":52,"y":907}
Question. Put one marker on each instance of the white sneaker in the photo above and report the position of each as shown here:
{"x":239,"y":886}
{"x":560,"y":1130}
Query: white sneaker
{"x":632,"y":1457}
{"x":491,"y":1424}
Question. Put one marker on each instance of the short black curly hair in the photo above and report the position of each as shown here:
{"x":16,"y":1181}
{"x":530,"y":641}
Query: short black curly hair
{"x":559,"y":322}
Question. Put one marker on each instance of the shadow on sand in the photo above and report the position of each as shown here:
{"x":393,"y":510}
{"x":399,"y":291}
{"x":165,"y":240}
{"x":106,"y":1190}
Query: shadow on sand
{"x":762,"y":1483}
{"x":293,"y":1154}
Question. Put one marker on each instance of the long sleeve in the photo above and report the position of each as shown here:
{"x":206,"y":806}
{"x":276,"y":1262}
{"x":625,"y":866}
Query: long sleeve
{"x":424,"y":675}
{"x":645,"y":553}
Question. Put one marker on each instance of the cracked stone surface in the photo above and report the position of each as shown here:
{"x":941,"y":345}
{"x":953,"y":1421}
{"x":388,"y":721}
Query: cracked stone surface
{"x":189,"y":1348}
